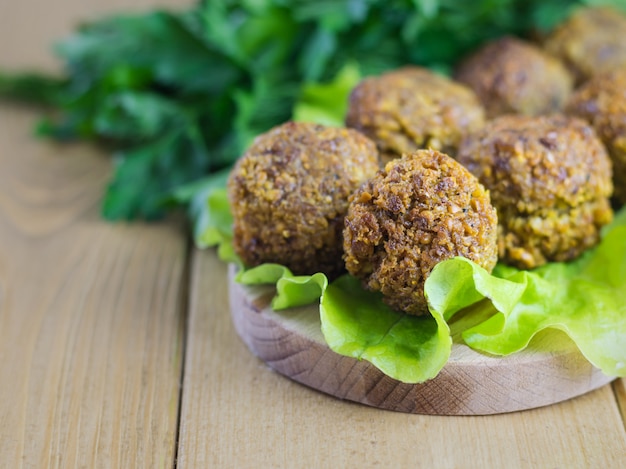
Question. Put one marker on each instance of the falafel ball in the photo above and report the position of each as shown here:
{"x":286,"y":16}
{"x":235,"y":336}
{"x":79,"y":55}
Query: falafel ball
{"x":513,"y":76}
{"x":550,"y":180}
{"x":289,"y":195}
{"x":602,"y":102}
{"x":420,"y":210}
{"x":590,"y":42}
{"x":413,"y":108}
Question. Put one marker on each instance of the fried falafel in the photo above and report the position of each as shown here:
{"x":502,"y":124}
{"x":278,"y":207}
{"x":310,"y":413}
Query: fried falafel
{"x":413,"y":108}
{"x":602,"y":102}
{"x":289,"y":195}
{"x":513,"y":76}
{"x":590,"y":42}
{"x":420,"y":210}
{"x":550,"y":180}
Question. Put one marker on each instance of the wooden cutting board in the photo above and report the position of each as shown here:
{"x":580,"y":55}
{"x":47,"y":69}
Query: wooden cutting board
{"x":550,"y":370}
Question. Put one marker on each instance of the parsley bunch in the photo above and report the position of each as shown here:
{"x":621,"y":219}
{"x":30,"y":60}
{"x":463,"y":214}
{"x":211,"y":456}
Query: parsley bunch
{"x":179,"y":95}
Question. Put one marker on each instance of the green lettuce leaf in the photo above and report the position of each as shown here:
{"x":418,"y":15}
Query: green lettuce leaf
{"x":209,"y":209}
{"x":217,"y":229}
{"x":327,"y":103}
{"x":584,"y":299}
{"x":356,"y":323}
{"x":291,"y":290}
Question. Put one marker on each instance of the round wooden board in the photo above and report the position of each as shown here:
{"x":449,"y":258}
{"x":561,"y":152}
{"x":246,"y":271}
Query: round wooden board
{"x":550,"y":370}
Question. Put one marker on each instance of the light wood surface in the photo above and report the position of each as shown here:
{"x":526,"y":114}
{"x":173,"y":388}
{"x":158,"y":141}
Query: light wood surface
{"x":28,"y":28}
{"x":237,"y":412}
{"x":549,"y":370}
{"x":619,"y":387}
{"x":91,"y":315}
{"x":94,"y":332}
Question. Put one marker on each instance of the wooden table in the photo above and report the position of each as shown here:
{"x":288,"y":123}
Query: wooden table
{"x":117,"y":350}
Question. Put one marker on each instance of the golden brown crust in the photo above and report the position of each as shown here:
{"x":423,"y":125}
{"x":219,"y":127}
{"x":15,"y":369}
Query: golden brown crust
{"x":418,"y":211}
{"x":413,"y":108}
{"x":532,"y":240}
{"x":289,"y":195}
{"x":590,"y":42}
{"x":550,"y":180}
{"x":512,"y":76}
{"x":602,"y":102}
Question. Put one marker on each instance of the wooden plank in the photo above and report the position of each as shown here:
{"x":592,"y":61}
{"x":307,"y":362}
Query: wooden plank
{"x":619,"y":387}
{"x":236,"y":412}
{"x":29,"y":28}
{"x":91,"y":314}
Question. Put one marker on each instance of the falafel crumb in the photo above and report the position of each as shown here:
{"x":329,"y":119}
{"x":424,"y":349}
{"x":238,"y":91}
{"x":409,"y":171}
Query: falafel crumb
{"x":420,"y":210}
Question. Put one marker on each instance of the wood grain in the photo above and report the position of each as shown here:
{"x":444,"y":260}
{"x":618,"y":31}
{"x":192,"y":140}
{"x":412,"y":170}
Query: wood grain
{"x":619,"y":387}
{"x":91,"y":314}
{"x":28,"y":28}
{"x":550,"y":370}
{"x":237,"y":412}
{"x":91,"y":338}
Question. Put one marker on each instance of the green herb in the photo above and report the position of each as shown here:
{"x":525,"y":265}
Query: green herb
{"x":583,"y":298}
{"x":356,"y":323}
{"x":181,"y":94}
{"x":31,"y":88}
{"x":327,"y":104}
{"x":291,"y":290}
{"x":209,"y":210}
